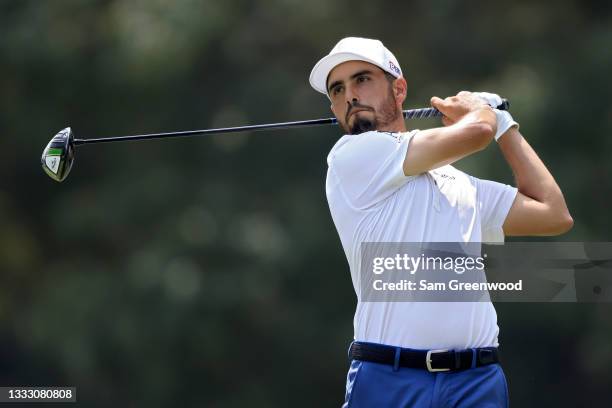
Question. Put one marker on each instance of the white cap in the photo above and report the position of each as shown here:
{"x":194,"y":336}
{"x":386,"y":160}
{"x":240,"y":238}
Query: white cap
{"x":351,"y":49}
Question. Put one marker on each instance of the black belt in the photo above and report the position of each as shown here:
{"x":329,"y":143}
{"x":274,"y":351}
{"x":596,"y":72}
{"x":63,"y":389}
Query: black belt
{"x":431,"y":360}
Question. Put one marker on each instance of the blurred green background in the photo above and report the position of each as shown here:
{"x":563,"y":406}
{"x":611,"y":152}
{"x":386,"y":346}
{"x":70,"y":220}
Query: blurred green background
{"x":207,"y":271}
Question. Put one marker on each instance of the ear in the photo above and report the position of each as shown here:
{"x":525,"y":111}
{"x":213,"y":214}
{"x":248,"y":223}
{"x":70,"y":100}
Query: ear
{"x":400,"y":89}
{"x":332,"y":109}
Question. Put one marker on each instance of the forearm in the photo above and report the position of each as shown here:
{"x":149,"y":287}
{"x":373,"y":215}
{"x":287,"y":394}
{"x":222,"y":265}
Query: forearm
{"x":483,"y":120}
{"x":433,"y":148}
{"x":532,"y":177}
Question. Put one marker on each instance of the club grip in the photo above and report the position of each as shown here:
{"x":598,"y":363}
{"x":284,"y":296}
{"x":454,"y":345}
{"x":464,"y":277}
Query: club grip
{"x":433,"y":112}
{"x":505,"y":105}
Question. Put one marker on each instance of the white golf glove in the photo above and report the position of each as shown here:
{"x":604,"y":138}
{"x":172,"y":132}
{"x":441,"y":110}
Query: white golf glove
{"x":504,"y":122}
{"x":493,"y":100}
{"x":504,"y":119}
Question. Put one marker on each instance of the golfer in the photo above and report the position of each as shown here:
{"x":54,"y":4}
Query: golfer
{"x":387,"y":184}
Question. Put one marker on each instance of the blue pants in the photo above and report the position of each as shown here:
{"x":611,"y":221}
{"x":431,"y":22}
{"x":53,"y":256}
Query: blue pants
{"x":373,"y":385}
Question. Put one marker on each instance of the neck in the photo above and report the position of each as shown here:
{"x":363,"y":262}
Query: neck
{"x":398,"y":125}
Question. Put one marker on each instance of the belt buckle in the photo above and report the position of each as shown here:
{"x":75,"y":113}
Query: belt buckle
{"x":428,"y":361}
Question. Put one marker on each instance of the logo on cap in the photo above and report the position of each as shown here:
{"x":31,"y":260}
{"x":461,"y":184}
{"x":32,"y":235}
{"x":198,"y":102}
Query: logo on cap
{"x":394,"y":68}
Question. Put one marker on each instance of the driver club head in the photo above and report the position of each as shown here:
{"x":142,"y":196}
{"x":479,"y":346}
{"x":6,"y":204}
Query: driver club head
{"x":58,"y":156}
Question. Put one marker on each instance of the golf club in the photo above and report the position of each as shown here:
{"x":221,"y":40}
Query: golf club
{"x":58,"y":156}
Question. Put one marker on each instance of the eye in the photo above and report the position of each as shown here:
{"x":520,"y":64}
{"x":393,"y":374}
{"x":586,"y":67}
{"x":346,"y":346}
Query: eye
{"x":362,"y":78}
{"x":336,"y":90}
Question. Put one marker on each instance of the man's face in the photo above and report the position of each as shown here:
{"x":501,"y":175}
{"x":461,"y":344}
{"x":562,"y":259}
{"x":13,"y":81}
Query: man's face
{"x":363,"y":99}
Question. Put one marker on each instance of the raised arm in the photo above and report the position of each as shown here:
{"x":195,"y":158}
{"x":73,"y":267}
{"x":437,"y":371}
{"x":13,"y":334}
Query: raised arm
{"x":470,"y":125}
{"x":539,"y":207}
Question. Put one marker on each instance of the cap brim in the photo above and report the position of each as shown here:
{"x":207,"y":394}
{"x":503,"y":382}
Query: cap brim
{"x":320,"y":72}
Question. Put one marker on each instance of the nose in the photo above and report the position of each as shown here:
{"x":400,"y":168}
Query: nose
{"x":350,"y":95}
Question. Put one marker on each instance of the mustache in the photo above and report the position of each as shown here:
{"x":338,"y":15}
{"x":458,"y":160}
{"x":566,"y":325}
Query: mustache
{"x":353,"y":106}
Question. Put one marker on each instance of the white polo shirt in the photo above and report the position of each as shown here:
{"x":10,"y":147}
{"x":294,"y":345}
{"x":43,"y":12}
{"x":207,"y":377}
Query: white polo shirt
{"x":371,"y":200}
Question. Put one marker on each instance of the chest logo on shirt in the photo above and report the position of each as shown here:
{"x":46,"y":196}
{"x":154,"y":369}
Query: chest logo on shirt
{"x":444,"y":175}
{"x":397,"y":136}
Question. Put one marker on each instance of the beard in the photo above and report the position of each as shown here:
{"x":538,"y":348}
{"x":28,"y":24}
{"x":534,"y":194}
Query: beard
{"x":387,"y":113}
{"x":361,"y":125}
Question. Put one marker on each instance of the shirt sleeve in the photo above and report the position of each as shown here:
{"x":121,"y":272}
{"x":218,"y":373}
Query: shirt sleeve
{"x":370,"y":167}
{"x":494,"y":201}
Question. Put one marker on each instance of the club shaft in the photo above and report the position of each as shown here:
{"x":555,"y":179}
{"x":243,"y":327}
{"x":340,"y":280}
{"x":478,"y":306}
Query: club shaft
{"x":408,"y":114}
{"x":249,"y":128}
